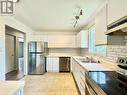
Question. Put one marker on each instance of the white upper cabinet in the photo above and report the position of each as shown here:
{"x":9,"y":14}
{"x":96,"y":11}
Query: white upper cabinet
{"x":116,"y":10}
{"x":57,"y":40}
{"x":101,"y":26}
{"x":82,"y":39}
{"x":62,"y":41}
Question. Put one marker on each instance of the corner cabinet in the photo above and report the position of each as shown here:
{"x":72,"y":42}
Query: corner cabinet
{"x":82,"y":39}
{"x":101,"y":26}
{"x":116,"y":10}
{"x":52,"y":64}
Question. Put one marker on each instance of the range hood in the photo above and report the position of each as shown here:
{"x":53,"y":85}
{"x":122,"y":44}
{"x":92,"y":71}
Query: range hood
{"x":118,"y":28}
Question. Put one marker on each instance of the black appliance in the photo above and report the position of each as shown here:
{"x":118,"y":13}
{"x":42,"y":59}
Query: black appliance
{"x":64,"y":64}
{"x":107,"y":83}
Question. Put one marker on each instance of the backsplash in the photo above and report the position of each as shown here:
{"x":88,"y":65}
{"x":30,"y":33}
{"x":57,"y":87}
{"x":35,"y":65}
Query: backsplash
{"x":113,"y":52}
{"x":64,"y":51}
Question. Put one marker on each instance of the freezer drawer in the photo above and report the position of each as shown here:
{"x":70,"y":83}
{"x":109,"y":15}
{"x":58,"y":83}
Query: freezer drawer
{"x":37,"y":64}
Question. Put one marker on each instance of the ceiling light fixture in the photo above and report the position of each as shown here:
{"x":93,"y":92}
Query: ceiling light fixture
{"x":15,"y":1}
{"x":77,"y":17}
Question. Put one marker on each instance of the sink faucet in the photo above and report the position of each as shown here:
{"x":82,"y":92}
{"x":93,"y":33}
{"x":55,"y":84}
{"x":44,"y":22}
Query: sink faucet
{"x":89,"y":59}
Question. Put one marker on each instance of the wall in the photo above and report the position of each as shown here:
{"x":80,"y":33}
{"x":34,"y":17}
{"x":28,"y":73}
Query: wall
{"x":2,"y":50}
{"x":113,"y":52}
{"x":12,"y":22}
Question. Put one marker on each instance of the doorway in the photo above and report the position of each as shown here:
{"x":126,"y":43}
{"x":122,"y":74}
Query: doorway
{"x":14,"y":41}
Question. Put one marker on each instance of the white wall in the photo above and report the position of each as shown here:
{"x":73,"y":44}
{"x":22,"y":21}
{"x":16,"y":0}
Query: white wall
{"x":12,"y":22}
{"x":2,"y":50}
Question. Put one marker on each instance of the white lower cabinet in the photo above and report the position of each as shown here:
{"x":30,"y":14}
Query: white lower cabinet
{"x":52,"y":64}
{"x":49,"y":64}
{"x":79,"y":75}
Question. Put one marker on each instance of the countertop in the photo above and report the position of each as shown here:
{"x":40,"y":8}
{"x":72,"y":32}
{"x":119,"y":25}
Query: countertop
{"x":90,"y":66}
{"x":97,"y":66}
{"x":10,"y":87}
{"x":61,"y":55}
{"x":109,"y":82}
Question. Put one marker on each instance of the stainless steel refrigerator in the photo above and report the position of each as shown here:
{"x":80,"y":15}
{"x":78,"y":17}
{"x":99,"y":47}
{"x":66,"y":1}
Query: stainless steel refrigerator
{"x":37,"y":57}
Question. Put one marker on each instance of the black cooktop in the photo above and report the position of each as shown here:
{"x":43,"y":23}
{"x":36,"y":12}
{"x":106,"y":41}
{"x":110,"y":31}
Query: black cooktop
{"x":112,"y":83}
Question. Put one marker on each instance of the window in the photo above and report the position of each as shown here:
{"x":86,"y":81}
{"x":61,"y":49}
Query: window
{"x":92,"y":47}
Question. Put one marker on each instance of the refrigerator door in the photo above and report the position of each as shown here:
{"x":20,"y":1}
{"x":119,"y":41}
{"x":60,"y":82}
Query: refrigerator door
{"x":37,"y":64}
{"x":40,"y":47}
{"x":32,"y":47}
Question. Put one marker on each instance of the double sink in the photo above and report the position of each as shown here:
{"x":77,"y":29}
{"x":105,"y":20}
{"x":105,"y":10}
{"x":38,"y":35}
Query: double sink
{"x":87,"y":60}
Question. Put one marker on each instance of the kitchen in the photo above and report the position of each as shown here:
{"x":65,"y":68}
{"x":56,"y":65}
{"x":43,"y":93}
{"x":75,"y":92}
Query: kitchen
{"x":85,"y":52}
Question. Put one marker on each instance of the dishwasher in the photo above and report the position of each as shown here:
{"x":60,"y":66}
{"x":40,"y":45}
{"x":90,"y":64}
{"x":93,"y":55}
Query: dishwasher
{"x":64,"y":64}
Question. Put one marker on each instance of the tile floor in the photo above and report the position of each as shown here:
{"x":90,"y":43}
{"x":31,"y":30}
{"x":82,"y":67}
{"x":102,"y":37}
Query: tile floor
{"x":50,"y":84}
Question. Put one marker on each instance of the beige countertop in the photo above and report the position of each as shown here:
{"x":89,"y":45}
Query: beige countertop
{"x":97,"y":66}
{"x":10,"y":87}
{"x":61,"y":55}
{"x":104,"y":66}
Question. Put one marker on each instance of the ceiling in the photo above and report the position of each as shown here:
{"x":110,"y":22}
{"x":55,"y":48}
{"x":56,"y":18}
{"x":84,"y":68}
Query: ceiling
{"x":54,"y":14}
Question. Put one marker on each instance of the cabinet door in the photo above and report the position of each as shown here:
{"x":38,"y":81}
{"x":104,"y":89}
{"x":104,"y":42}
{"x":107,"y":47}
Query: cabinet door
{"x":49,"y":64}
{"x":73,"y":67}
{"x":55,"y":64}
{"x":116,"y":10}
{"x":61,"y":41}
{"x":101,"y":27}
{"x":82,"y":39}
{"x":82,"y":80}
{"x":77,"y":74}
